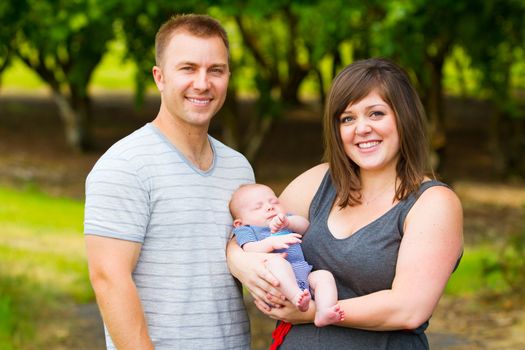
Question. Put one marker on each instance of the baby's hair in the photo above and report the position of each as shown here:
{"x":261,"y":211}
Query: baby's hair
{"x":234,"y":209}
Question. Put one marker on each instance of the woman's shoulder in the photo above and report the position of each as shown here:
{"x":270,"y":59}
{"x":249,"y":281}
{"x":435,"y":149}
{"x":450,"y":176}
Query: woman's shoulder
{"x":298,"y":195}
{"x":310,"y":178}
{"x":437,"y":196}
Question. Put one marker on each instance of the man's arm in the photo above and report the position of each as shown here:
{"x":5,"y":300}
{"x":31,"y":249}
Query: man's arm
{"x":111,"y":262}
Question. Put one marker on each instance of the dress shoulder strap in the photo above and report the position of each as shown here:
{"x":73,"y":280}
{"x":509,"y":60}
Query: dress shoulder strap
{"x":408,"y":203}
{"x":323,"y":198}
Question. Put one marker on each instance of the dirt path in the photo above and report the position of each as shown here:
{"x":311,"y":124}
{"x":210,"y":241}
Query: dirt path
{"x":87,"y":333}
{"x":451,"y":328}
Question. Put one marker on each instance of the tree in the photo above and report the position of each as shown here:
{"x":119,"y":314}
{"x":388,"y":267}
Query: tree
{"x":10,"y":17}
{"x":347,"y":22}
{"x":420,"y":35}
{"x":63,"y":42}
{"x":271,"y":46}
{"x":502,"y":46}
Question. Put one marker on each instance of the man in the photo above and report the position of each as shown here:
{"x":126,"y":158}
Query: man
{"x":156,"y":218}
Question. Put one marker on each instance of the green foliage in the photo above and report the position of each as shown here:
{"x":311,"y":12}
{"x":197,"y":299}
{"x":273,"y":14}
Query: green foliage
{"x":11,"y":14}
{"x":509,"y":264}
{"x":6,"y":318}
{"x":63,"y":41}
{"x":282,"y":46}
{"x":470,"y":277}
{"x":42,"y":262}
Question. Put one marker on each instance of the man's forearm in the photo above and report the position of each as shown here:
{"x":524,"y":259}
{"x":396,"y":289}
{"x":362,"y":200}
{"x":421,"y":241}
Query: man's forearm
{"x":123,"y":315}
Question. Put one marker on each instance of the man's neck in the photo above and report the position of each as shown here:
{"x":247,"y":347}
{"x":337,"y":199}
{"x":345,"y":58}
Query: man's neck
{"x":190,"y":140}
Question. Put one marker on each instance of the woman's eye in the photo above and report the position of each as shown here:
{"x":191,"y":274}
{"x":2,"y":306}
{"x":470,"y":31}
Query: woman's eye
{"x":346,"y":119}
{"x":377,"y":114}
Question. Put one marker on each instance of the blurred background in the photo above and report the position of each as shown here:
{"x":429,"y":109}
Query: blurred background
{"x":75,"y":77}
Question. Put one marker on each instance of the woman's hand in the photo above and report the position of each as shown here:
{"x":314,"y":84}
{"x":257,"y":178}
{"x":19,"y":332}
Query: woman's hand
{"x":287,"y":312}
{"x":250,"y":269}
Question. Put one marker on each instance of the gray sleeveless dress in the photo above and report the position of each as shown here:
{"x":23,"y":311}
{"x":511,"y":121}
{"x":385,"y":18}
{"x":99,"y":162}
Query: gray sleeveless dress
{"x":362,"y":264}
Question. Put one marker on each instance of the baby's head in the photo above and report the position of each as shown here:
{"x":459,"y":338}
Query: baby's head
{"x":254,"y":204}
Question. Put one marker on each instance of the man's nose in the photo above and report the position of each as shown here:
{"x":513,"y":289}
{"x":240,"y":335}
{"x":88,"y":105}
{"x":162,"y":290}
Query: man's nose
{"x":201,"y":81}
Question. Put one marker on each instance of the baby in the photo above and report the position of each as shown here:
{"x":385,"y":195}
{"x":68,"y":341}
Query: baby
{"x":260,"y":225}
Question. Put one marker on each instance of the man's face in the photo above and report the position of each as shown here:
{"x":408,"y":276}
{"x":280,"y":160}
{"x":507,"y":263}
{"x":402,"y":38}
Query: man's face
{"x":193,"y":78}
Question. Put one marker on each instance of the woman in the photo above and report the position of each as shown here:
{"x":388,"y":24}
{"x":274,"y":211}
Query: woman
{"x":390,"y":235}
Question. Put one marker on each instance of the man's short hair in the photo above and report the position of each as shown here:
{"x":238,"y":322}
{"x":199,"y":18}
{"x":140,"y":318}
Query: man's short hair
{"x":202,"y":26}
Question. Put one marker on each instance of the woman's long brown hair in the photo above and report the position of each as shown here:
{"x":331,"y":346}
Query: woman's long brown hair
{"x":351,"y":85}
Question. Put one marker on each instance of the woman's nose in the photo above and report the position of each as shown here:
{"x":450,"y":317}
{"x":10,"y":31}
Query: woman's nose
{"x":362,"y":127}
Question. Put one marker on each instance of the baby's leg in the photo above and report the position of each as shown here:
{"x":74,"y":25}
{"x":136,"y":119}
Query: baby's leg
{"x":282,"y":270}
{"x":327,"y":310}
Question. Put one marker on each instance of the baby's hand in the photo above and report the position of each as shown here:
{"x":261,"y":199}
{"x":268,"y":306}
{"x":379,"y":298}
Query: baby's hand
{"x":284,"y":241}
{"x":279,"y":222}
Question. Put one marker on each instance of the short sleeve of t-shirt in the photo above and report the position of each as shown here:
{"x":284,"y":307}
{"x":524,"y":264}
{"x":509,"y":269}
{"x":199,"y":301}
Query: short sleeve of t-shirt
{"x":117,"y":203}
{"x":244,"y":234}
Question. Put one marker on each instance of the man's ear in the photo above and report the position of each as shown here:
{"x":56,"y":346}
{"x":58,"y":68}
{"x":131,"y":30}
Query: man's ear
{"x":157,"y":76}
{"x":237,"y":222}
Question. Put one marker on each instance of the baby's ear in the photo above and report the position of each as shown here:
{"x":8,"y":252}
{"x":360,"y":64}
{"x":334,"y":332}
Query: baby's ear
{"x":237,"y":222}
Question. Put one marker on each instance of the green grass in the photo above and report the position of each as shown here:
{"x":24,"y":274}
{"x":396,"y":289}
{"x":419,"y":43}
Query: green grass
{"x":32,"y":209}
{"x":19,"y":77}
{"x":42,"y":261}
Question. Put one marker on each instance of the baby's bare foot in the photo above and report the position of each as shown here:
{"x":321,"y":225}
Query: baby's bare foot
{"x":302,"y":300}
{"x":329,"y":315}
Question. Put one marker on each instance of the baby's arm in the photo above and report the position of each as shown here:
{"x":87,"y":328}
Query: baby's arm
{"x":272,"y":243}
{"x":294,"y":223}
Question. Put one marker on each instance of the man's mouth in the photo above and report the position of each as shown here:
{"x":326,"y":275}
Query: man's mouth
{"x":199,"y":101}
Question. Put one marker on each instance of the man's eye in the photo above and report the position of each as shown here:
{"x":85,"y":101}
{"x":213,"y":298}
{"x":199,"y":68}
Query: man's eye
{"x":217,"y":71}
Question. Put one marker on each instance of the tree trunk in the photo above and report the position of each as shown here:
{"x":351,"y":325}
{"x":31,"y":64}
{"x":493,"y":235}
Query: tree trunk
{"x":75,"y":116}
{"x":322,"y":92}
{"x":230,"y":124}
{"x":290,"y":90}
{"x":255,"y":138}
{"x":433,"y":101}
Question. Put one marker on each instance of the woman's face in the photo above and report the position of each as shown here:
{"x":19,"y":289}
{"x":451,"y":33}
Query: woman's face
{"x":369,"y":133}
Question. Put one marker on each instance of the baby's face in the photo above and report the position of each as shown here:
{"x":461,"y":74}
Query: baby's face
{"x":258,"y":206}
